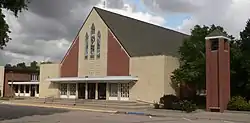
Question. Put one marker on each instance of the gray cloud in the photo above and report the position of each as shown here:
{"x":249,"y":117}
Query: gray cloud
{"x":47,"y":28}
{"x":174,"y":5}
{"x":206,"y":12}
{"x":115,"y":3}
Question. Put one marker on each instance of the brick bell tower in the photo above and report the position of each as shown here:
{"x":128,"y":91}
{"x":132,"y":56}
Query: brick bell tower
{"x":217,"y":71}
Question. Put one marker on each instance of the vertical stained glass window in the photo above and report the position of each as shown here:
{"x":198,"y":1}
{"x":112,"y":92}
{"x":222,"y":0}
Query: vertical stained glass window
{"x":92,"y":41}
{"x":86,"y":46}
{"x":98,"y":44}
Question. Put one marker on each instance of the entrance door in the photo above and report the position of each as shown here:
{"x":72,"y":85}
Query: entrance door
{"x":33,"y":91}
{"x":125,"y":91}
{"x":81,"y":91}
{"x":91,"y":90}
{"x":102,"y":91}
{"x":113,"y":91}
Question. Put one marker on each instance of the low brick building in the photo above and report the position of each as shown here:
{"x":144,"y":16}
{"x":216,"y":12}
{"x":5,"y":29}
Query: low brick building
{"x":24,"y":83}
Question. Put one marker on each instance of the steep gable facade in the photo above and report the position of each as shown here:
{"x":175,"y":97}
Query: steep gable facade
{"x":97,"y":62}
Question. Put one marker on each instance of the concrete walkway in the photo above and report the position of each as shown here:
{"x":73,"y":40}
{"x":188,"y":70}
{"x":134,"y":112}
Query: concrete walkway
{"x":243,"y":117}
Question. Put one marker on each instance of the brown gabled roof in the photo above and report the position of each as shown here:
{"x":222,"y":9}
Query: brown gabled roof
{"x":140,"y":38}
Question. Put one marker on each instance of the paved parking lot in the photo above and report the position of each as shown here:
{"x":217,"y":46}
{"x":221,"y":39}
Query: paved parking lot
{"x":26,"y":114}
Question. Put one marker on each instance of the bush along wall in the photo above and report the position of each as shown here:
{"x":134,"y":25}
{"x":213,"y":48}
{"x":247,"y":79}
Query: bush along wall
{"x":238,"y":103}
{"x":172,"y":102}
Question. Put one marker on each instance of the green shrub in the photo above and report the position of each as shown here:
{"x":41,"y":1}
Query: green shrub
{"x":168,"y":100}
{"x":188,"y":106}
{"x":174,"y":103}
{"x":238,"y":103}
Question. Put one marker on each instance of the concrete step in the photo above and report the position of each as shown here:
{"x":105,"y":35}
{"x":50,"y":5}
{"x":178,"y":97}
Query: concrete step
{"x":103,"y":106}
{"x":124,"y":103}
{"x":92,"y":103}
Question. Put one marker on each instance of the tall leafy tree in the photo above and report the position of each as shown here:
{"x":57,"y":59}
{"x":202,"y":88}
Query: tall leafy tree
{"x":15,"y":6}
{"x":21,"y":65}
{"x":244,"y":86}
{"x":34,"y":66}
{"x":192,"y":69}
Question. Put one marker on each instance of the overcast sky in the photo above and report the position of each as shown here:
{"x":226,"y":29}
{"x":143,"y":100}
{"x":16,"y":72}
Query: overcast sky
{"x":45,"y":31}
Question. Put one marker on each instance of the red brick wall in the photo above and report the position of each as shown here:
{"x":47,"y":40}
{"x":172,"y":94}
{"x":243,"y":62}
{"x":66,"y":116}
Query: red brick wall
{"x":16,"y":77}
{"x":118,"y":60}
{"x":217,"y":76}
{"x":224,"y":70}
{"x":69,"y":65}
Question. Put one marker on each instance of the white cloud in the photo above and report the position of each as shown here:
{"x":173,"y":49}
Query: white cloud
{"x":233,"y":17}
{"x":127,"y":10}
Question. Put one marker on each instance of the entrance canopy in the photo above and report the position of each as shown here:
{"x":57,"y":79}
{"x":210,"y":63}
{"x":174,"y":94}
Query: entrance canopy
{"x":23,"y":83}
{"x":105,"y":79}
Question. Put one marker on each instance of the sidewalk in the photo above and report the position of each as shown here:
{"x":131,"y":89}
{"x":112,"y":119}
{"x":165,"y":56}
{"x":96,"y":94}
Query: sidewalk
{"x":229,"y":116}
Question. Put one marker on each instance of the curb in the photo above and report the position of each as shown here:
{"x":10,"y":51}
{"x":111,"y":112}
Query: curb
{"x":139,"y":113}
{"x":60,"y":107}
{"x":133,"y":113}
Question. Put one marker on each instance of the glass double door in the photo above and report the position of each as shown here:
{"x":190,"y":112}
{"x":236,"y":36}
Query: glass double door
{"x":119,"y":91}
{"x":125,"y":91}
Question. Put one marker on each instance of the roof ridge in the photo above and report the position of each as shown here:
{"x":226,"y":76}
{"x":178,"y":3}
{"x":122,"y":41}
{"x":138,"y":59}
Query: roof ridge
{"x":96,"y":8}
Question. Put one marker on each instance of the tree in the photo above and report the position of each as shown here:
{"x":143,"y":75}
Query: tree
{"x":34,"y":66}
{"x":192,"y":69}
{"x":243,"y":86}
{"x":21,"y":65}
{"x":8,"y":66}
{"x":15,"y":6}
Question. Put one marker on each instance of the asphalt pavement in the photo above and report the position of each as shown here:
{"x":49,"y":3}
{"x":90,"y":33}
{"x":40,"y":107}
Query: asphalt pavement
{"x":29,"y":114}
{"x":8,"y":112}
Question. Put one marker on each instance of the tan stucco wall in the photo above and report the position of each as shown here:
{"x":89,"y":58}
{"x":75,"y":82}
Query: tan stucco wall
{"x":93,"y":67}
{"x":171,"y":63}
{"x":46,"y":87}
{"x":1,"y":80}
{"x":154,"y":77}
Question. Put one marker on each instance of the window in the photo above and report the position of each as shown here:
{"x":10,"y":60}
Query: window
{"x":86,"y":45}
{"x":63,"y":89}
{"x":72,"y":89}
{"x":214,"y":44}
{"x":125,"y":90}
{"x":113,"y":89}
{"x":92,"y":45}
{"x":34,"y":77}
{"x":98,"y":44}
{"x":27,"y":89}
{"x":21,"y":88}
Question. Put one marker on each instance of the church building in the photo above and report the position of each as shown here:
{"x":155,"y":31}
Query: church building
{"x":114,"y":57}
